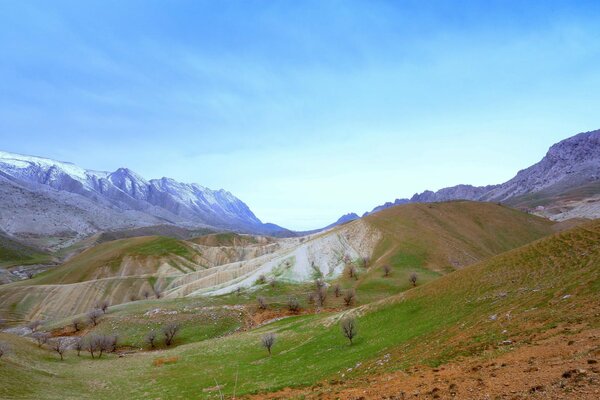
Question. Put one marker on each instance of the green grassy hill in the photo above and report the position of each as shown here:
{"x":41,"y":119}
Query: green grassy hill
{"x":14,"y":253}
{"x":514,"y":296}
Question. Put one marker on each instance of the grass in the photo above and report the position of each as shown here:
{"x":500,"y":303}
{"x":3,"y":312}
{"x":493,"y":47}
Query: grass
{"x":431,"y":324}
{"x":14,"y":253}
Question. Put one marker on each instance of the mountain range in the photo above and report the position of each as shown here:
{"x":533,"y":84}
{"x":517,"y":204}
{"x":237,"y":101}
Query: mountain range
{"x":44,"y":197}
{"x":564,"y":184}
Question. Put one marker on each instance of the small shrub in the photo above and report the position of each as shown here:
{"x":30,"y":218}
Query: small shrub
{"x":348,"y":326}
{"x":170,"y":331}
{"x":41,"y":338}
{"x":261,"y":279}
{"x":387,"y":270}
{"x":151,"y":339}
{"x":349,"y":297}
{"x":94,"y":316}
{"x":60,"y":347}
{"x":268,"y":340}
{"x":413,"y":278}
{"x":262,"y":303}
{"x":337,"y":290}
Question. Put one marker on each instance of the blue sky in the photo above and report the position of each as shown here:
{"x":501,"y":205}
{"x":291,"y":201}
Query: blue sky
{"x":305,"y":110}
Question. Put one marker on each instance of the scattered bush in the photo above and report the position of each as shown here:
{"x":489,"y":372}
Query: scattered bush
{"x":262,"y":302}
{"x":387,"y":270}
{"x":320,"y":296}
{"x":170,"y":331}
{"x":413,"y":278}
{"x":77,"y":324}
{"x":349,"y":297}
{"x":60,"y":347}
{"x":151,"y":339}
{"x":348,"y":326}
{"x":94,"y":316}
{"x":267,"y":341}
{"x":293,"y":304}
{"x":337,"y":290}
{"x":41,"y":338}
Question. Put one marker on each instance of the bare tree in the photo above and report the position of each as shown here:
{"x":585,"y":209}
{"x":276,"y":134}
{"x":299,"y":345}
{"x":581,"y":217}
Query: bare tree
{"x":34,"y":325}
{"x":94,"y":316}
{"x":349,"y":297}
{"x":59,"y":346}
{"x":321,"y":296}
{"x":113,"y":342}
{"x":103,"y":305}
{"x":41,"y":338}
{"x":103,"y":344}
{"x":78,"y":345}
{"x":262,"y":302}
{"x":352,"y":273}
{"x":293,"y":304}
{"x":90,"y":344}
{"x":3,"y":349}
{"x":77,"y":324}
{"x":170,"y":331}
{"x":365,"y":262}
{"x":337,"y":290}
{"x":146,"y":294}
{"x":413,"y":278}
{"x":151,"y":339}
{"x":348,"y":326}
{"x":268,"y":340}
{"x":387,"y":270}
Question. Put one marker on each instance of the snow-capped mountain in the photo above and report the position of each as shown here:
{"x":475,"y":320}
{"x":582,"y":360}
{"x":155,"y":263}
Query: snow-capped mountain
{"x":95,"y":200}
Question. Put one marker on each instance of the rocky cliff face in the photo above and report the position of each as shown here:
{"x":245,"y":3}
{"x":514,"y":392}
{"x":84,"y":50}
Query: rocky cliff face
{"x":39,"y":196}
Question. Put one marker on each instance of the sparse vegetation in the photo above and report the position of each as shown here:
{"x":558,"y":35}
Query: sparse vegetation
{"x":349,"y":297}
{"x":170,"y":331}
{"x":267,"y":341}
{"x":413,"y":278}
{"x":41,"y":338}
{"x":293,"y":304}
{"x":59,"y":346}
{"x":94,"y":316}
{"x":348,"y":325}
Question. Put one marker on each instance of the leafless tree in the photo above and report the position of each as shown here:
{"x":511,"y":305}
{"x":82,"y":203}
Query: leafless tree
{"x":267,"y":341}
{"x":151,"y":339}
{"x":59,"y":346}
{"x":91,"y":344}
{"x":349,"y":297}
{"x":352,"y":273}
{"x":262,"y":302}
{"x":348,"y":326}
{"x":34,"y":325}
{"x":337,"y":290}
{"x":113,"y":342}
{"x":413,"y":278}
{"x":321,"y":296}
{"x":103,"y":344}
{"x":103,"y":305}
{"x":78,"y":345}
{"x":293,"y":304}
{"x":41,"y":338}
{"x":366,"y":261}
{"x":146,"y":294}
{"x":387,"y":270}
{"x":94,"y":316}
{"x":3,"y":349}
{"x":170,"y":331}
{"x":77,"y":324}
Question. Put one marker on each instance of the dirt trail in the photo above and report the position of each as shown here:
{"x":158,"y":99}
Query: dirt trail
{"x":559,"y":367}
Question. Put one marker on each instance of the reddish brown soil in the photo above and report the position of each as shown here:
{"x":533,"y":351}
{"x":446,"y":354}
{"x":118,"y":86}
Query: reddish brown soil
{"x":557,"y":367}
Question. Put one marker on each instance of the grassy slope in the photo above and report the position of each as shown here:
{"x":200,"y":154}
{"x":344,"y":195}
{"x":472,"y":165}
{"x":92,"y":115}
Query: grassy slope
{"x":86,"y":265}
{"x":524,"y":288}
{"x":14,"y":253}
{"x":433,"y":239}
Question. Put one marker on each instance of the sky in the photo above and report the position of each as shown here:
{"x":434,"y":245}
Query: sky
{"x":305,"y":110}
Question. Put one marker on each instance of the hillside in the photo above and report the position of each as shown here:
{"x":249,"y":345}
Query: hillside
{"x":511,"y":303}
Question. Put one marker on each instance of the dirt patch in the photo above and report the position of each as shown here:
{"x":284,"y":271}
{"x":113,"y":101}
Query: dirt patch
{"x":559,"y":367}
